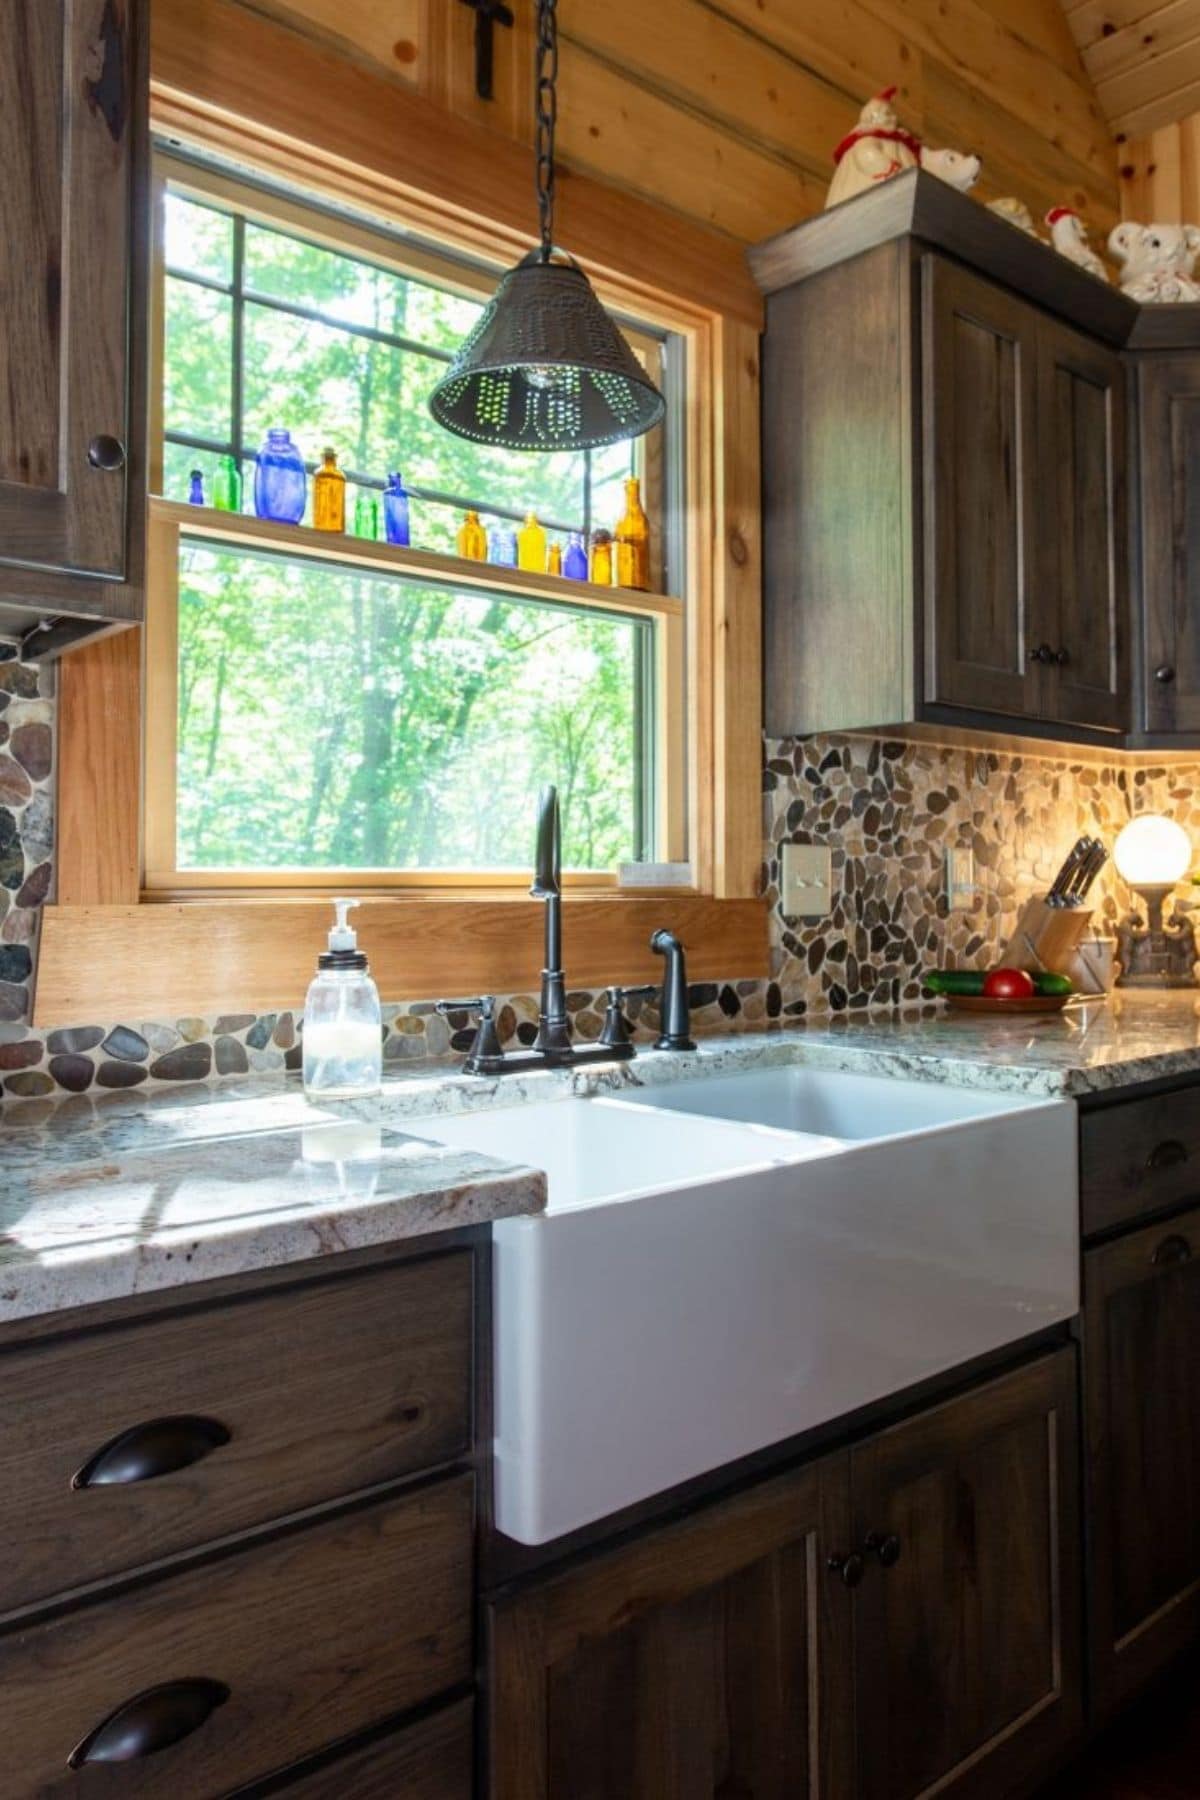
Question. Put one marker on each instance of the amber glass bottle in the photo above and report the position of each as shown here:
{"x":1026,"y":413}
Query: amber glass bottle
{"x":600,"y":565}
{"x":329,"y":494}
{"x":472,"y":538}
{"x":554,"y":558}
{"x":531,"y":545}
{"x":633,"y":540}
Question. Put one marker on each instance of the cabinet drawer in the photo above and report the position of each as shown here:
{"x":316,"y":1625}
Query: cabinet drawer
{"x":429,"y":1761}
{"x":1138,"y":1157}
{"x":242,"y":1413}
{"x":312,"y":1638}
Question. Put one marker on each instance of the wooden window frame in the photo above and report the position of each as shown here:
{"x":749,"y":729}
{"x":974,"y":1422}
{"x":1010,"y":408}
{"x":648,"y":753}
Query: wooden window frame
{"x":112,"y":949}
{"x":169,"y":521}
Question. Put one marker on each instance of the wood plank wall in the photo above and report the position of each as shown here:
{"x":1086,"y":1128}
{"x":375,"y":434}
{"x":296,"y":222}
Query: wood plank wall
{"x":727,"y":110}
{"x":1160,"y":175}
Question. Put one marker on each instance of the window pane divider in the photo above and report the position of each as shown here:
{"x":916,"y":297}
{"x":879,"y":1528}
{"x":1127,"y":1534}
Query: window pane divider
{"x":424,"y":565}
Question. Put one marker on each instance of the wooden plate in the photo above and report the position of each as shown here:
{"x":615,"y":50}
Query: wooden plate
{"x":983,"y":1003}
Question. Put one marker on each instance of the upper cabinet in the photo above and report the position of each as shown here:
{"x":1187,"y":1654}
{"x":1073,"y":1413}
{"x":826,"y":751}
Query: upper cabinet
{"x":1167,"y":401}
{"x":73,"y":139}
{"x":946,"y":534}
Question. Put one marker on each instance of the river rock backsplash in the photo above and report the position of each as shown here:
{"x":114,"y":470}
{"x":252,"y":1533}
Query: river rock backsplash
{"x":888,"y":809}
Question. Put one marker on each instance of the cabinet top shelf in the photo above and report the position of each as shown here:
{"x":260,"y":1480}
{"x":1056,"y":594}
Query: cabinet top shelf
{"x":921,"y":206}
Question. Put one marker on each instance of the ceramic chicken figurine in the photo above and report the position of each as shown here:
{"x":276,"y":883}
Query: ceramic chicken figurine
{"x":1015,"y":212}
{"x":1156,"y":261}
{"x":1068,"y":234}
{"x":877,"y":148}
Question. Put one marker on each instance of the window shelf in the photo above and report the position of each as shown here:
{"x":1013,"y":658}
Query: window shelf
{"x":427,"y":565}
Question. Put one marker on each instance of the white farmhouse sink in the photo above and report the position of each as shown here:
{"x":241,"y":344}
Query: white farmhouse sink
{"x":700,"y":1288}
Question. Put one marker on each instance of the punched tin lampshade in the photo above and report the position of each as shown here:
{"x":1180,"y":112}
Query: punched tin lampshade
{"x":546,"y":368}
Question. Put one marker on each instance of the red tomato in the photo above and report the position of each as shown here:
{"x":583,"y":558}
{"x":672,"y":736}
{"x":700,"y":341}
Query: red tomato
{"x":1008,"y":984}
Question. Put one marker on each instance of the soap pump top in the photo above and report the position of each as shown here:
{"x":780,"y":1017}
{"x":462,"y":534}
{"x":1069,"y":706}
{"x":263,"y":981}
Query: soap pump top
{"x":343,"y":951}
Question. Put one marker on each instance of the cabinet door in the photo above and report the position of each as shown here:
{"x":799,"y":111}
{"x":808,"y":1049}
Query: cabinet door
{"x":68,"y":119}
{"x":1142,"y":1355}
{"x":980,"y":368}
{"x":708,"y":1658}
{"x":967,"y":1649}
{"x":1082,"y":526}
{"x":1169,"y":435}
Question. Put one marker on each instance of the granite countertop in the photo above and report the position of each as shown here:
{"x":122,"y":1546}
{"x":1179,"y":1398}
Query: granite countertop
{"x":106,"y":1196}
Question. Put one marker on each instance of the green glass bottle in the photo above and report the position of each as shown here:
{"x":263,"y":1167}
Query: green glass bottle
{"x":227,"y":485}
{"x":366,"y":514}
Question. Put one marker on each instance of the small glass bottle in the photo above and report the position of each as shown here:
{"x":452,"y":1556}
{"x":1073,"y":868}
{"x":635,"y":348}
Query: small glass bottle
{"x":396,"y":522}
{"x":343,"y":1022}
{"x":227,"y":485}
{"x":196,"y":488}
{"x":280,"y":479}
{"x":554,"y":558}
{"x":472,"y":538}
{"x":575,"y":562}
{"x":633,"y":540}
{"x":600,"y":569}
{"x":502,"y":546}
{"x":531,"y":545}
{"x":329,"y":494}
{"x":366,"y":514}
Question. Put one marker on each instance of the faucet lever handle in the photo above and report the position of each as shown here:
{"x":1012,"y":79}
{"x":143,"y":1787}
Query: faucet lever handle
{"x":486,"y":1051}
{"x":617,"y":1029}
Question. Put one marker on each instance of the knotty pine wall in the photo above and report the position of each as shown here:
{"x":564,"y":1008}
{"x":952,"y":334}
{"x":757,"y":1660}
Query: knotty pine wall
{"x":727,"y":110}
{"x":1160,"y":175}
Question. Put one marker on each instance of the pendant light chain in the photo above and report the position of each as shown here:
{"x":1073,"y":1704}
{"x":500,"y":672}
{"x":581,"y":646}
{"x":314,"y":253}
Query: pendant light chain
{"x":547,"y":117}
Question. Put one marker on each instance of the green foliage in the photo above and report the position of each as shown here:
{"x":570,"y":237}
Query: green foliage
{"x":330,"y":718}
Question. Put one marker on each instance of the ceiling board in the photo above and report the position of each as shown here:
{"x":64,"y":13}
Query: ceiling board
{"x":1143,"y":58}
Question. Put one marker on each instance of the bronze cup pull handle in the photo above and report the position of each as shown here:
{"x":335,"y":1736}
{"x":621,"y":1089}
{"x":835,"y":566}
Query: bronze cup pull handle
{"x":1173,"y":1249}
{"x":153,"y":1720}
{"x":157,"y":1447}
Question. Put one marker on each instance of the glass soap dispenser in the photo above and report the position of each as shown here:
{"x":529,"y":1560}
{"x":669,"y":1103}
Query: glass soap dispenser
{"x":343,"y":1024}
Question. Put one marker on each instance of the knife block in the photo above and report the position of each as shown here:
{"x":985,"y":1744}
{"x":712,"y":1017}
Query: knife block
{"x":1046,"y":939}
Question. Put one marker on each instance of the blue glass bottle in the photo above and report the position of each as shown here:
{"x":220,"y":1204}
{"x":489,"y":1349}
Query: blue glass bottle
{"x":575,"y":562}
{"x":395,"y":511}
{"x":280,"y":480}
{"x":502,"y":546}
{"x":196,"y":488}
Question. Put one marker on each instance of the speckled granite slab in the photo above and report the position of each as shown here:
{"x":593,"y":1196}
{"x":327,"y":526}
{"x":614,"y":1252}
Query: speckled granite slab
{"x":104,"y":1196}
{"x":77,"y":1233}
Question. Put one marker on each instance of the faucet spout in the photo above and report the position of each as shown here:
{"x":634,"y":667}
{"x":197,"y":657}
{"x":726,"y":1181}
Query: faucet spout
{"x":554,"y":1029}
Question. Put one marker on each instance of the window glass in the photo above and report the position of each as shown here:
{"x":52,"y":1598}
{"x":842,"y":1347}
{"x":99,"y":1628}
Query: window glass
{"x":330,"y":718}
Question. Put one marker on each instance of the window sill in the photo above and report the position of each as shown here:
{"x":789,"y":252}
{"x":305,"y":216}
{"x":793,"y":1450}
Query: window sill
{"x":207,"y":956}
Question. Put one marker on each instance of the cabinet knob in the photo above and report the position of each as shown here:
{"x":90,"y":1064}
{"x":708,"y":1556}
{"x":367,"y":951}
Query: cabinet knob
{"x":151,"y":1721}
{"x":886,"y":1546}
{"x":1173,"y":1249}
{"x":106,"y":452}
{"x":1043,"y":654}
{"x":851,"y":1568}
{"x":158,"y":1447}
{"x":1164,"y":674}
{"x":1062,"y":658}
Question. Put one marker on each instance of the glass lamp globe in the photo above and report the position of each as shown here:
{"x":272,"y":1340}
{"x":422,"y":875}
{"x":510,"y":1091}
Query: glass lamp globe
{"x":1152,"y":852}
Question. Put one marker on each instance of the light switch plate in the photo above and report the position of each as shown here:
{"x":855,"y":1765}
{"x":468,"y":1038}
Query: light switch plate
{"x":806,"y":878}
{"x":961,"y":889}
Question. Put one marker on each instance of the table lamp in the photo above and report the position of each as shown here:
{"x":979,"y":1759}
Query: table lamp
{"x":1152,"y":854}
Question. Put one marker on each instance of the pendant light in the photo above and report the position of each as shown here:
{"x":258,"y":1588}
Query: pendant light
{"x":545,"y":367}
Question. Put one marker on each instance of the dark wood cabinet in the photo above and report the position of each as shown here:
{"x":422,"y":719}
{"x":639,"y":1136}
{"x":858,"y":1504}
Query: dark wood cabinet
{"x":1083,"y":559}
{"x":1167,"y":391}
{"x":945,"y":514}
{"x":924,"y":1585}
{"x":967,"y":1630}
{"x":984,"y":598}
{"x":708,"y":1658}
{"x":73,"y":141}
{"x":1141,"y":1357}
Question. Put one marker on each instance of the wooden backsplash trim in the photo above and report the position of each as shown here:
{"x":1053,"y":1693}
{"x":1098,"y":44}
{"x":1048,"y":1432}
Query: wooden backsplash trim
{"x":102,"y":964}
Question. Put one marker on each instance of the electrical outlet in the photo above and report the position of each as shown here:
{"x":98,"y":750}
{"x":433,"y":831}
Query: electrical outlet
{"x":961,"y":889}
{"x":806,"y":881}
